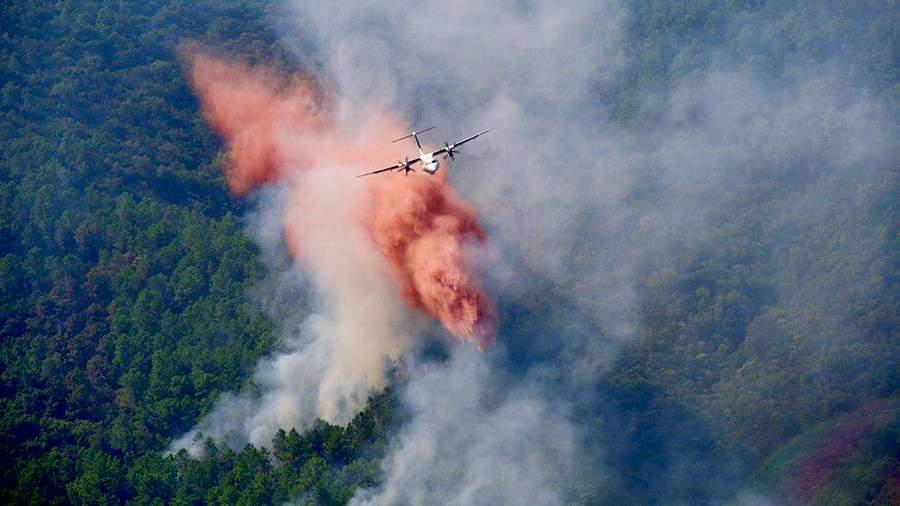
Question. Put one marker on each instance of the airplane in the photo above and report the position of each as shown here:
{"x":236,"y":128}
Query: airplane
{"x":429,"y":161}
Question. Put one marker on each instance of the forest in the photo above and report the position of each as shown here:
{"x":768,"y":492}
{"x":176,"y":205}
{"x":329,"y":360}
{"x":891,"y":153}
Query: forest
{"x":125,"y":267}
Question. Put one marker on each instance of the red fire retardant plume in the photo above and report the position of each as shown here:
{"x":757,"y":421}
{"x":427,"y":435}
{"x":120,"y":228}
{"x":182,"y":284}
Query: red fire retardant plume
{"x":276,"y":128}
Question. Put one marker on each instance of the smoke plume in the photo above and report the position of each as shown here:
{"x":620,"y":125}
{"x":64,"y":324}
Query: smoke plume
{"x":277,"y":130}
{"x":379,"y":251}
{"x":587,"y":214}
{"x":587,"y":217}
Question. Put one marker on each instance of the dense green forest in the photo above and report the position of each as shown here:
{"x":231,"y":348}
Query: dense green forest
{"x":124,"y":269}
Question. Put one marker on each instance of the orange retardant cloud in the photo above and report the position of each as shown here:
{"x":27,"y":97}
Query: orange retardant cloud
{"x":276,"y":130}
{"x":424,"y":228}
{"x":246,"y":107}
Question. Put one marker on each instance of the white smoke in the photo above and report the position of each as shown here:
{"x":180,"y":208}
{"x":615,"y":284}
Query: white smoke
{"x":528,"y":71}
{"x":555,"y":183}
{"x":473,"y":440}
{"x":477,"y":436}
{"x":332,"y":359}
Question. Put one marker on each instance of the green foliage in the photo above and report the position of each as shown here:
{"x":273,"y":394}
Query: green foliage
{"x":123,"y":271}
{"x":322,"y":466}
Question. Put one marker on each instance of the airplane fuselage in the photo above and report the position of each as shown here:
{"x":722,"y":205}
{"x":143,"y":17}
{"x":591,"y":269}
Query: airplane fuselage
{"x":430,"y":163}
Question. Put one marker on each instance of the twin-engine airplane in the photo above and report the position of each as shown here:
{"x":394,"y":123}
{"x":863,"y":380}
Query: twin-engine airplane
{"x":429,"y":161}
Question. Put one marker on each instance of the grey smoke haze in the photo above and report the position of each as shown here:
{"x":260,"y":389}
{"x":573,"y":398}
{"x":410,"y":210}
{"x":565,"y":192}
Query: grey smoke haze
{"x":571,"y":201}
{"x":526,"y":69}
{"x":473,"y":439}
{"x":293,"y":387}
{"x":340,"y":325}
{"x":556,"y":183}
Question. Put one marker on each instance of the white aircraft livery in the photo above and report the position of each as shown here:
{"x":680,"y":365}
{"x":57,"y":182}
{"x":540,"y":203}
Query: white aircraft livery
{"x":429,"y":161}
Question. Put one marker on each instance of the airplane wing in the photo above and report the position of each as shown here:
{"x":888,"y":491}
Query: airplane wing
{"x":392,"y":167}
{"x":460,"y":143}
{"x":467,"y":139}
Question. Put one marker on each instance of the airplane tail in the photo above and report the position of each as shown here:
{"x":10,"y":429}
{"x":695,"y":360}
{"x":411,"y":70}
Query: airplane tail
{"x":415,"y":136}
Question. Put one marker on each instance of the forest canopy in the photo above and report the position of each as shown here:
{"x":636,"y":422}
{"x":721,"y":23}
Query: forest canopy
{"x":765,"y":342}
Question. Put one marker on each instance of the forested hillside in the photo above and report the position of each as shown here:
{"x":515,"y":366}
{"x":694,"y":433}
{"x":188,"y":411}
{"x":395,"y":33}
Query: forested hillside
{"x":769,"y":345}
{"x":123,"y":265}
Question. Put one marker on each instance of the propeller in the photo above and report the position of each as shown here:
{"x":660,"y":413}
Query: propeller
{"x":405,"y":166}
{"x":450,"y":151}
